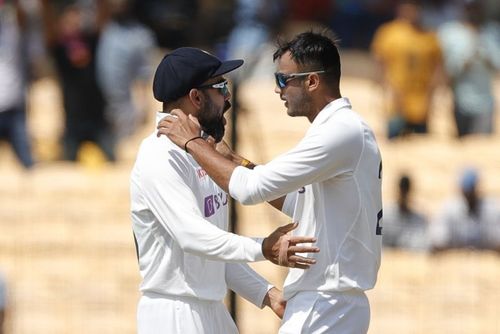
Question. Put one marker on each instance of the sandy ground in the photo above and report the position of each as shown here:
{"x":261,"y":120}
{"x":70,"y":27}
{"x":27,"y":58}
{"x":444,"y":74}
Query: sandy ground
{"x":67,"y":251}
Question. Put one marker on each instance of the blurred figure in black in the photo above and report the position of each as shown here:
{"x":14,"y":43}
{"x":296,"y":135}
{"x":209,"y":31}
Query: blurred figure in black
{"x":404,"y":227}
{"x":73,"y":47}
{"x":173,"y":22}
{"x":13,"y":80}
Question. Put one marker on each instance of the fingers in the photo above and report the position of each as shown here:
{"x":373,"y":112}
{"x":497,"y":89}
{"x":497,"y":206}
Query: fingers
{"x":303,"y":249}
{"x":194,"y":119}
{"x":165,"y":124}
{"x":178,"y":113}
{"x":302,"y":266}
{"x":301,"y":259}
{"x":302,"y":240}
{"x":283,"y":252}
{"x":296,"y":261}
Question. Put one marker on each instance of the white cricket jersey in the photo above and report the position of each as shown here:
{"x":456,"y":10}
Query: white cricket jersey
{"x":336,"y":169}
{"x":179,"y":219}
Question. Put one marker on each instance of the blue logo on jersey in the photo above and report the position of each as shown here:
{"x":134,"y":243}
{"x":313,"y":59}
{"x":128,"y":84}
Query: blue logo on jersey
{"x":214,"y":202}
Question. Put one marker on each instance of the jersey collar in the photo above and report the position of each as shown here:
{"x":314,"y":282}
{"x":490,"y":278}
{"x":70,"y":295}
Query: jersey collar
{"x":330,"y":108}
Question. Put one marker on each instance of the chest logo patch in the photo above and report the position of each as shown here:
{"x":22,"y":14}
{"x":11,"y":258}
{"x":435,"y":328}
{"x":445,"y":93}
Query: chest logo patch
{"x":214,"y":203}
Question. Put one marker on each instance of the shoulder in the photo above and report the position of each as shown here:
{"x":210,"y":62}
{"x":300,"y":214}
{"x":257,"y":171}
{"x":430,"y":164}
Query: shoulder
{"x":160,"y":155}
{"x":389,"y":27}
{"x":344,"y":123}
{"x":342,"y":132}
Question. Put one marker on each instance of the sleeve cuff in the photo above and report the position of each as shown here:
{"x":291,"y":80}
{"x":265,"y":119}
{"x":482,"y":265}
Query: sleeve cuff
{"x":259,"y":255}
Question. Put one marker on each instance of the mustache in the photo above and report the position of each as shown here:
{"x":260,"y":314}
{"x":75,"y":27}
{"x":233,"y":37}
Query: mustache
{"x":227,"y":106}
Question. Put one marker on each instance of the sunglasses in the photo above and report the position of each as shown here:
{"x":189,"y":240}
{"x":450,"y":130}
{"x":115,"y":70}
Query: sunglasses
{"x":282,"y":79}
{"x":221,"y":86}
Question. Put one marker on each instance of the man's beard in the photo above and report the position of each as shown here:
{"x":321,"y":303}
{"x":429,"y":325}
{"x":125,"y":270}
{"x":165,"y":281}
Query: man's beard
{"x":213,"y":126}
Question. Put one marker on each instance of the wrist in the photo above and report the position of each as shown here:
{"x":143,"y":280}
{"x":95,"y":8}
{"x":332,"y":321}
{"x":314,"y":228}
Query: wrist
{"x":189,"y":141}
{"x":247,"y":163}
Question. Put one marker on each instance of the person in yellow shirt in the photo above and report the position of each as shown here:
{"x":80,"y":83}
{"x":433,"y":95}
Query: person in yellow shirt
{"x":409,"y":59}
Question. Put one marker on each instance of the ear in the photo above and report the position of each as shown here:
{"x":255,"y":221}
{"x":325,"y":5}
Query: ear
{"x":312,"y":82}
{"x":196,"y":98}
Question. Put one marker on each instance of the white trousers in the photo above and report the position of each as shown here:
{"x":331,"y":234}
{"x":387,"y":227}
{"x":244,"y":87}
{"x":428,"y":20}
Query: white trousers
{"x":182,"y":315}
{"x":313,"y":312}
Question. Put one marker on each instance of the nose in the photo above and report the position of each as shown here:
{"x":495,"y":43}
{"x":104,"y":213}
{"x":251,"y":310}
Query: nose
{"x":277,"y":90}
{"x":227,"y":96}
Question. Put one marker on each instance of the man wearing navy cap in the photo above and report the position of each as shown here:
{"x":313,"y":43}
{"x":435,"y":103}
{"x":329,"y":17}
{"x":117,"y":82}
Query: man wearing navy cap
{"x":179,"y":215}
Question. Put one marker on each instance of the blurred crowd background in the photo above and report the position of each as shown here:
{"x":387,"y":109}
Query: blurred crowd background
{"x":75,"y":101}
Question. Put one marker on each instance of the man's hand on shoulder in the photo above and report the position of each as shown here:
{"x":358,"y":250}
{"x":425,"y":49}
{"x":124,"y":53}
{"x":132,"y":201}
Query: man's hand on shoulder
{"x":179,"y":127}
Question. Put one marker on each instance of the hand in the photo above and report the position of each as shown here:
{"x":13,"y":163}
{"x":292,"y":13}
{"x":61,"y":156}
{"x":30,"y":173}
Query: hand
{"x":274,"y":300}
{"x":280,"y":248}
{"x":179,"y":127}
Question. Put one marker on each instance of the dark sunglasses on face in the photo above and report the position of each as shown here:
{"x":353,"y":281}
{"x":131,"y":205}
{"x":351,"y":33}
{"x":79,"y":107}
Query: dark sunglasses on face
{"x":282,"y":79}
{"x":221,"y":86}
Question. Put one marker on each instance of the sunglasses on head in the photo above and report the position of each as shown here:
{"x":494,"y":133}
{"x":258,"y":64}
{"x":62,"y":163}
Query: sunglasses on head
{"x":221,"y":86}
{"x":282,"y":79}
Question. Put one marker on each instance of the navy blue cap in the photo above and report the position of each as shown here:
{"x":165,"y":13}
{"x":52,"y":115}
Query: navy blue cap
{"x":187,"y":68}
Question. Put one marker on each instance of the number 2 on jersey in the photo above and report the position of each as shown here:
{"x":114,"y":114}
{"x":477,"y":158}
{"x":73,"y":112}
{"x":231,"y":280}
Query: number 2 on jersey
{"x":378,"y":230}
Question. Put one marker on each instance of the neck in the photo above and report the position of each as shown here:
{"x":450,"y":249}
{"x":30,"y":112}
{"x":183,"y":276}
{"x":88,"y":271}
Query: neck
{"x":322,"y":102}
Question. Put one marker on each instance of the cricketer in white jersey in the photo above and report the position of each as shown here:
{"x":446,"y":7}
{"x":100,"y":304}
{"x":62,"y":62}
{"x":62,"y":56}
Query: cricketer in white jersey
{"x":332,"y":183}
{"x":339,"y":163}
{"x":179,"y":218}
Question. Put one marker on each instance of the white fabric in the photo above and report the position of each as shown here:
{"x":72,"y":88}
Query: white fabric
{"x":339,"y":165}
{"x":182,"y":315}
{"x":245,"y":282}
{"x":179,"y":218}
{"x":406,"y":230}
{"x":471,"y":60}
{"x":455,"y":227}
{"x":313,"y":312}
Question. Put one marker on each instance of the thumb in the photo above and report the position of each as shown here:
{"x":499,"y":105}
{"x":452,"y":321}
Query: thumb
{"x":289,"y":227}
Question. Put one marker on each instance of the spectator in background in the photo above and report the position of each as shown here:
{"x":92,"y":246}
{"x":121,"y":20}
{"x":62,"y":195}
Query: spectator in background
{"x":73,"y":46}
{"x":256,"y":22}
{"x":13,"y":81}
{"x":409,"y":59}
{"x":404,"y":227}
{"x":471,"y":50}
{"x":123,"y":58}
{"x":469,"y":221}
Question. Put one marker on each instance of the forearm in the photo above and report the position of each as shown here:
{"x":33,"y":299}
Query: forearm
{"x":243,"y":280}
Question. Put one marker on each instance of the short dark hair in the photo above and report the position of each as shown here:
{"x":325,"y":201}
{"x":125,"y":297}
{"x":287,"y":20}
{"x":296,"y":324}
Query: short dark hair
{"x":313,"y":51}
